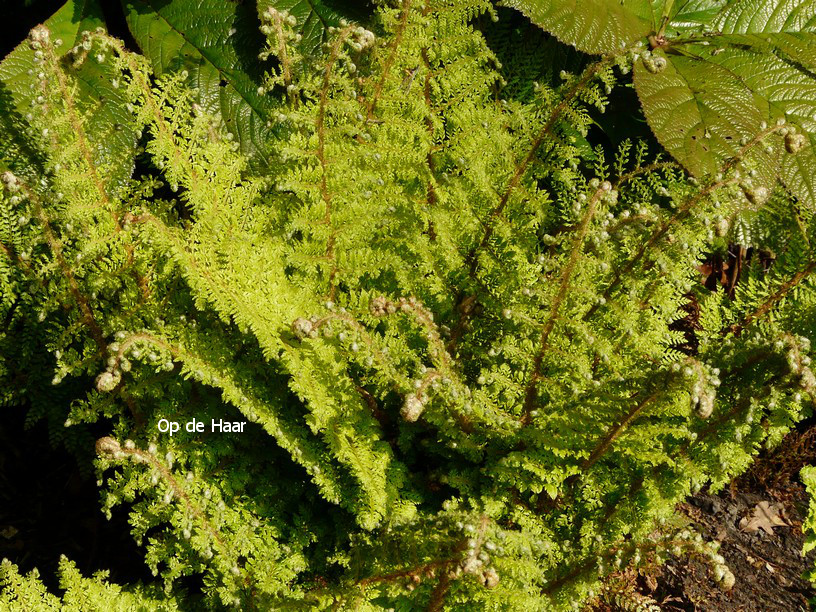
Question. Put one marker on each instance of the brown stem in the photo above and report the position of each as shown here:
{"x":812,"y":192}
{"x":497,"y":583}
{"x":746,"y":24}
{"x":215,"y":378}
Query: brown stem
{"x":515,"y":180}
{"x":12,"y":254}
{"x":56,"y":248}
{"x":655,"y":237}
{"x":67,"y":96}
{"x":780,"y":293}
{"x":74,"y":117}
{"x":606,"y":442}
{"x":283,"y":56}
{"x":437,"y":601}
{"x":521,"y":168}
{"x":389,"y":62}
{"x":320,"y":127}
{"x":682,"y":212}
{"x":432,"y":197}
{"x":431,"y":569}
{"x":158,"y":117}
{"x":583,"y":228}
{"x":109,"y":446}
{"x":371,"y":402}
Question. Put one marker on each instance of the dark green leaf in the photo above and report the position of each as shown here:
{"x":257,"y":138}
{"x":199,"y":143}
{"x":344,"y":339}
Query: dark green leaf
{"x":217,"y":43}
{"x":759,"y":66}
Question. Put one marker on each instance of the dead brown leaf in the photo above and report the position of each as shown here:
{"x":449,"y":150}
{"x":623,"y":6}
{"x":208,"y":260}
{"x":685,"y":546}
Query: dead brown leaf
{"x":765,"y":516}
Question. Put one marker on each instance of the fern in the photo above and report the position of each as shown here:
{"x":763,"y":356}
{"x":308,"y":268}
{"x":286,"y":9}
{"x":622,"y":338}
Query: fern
{"x":27,"y":593}
{"x":448,"y":323}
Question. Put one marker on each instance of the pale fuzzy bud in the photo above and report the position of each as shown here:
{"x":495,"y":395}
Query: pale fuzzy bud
{"x":471,"y":565}
{"x":412,"y":409}
{"x":719,"y":572}
{"x":107,"y":381}
{"x":757,"y":195}
{"x":10,"y":181}
{"x":705,"y":405}
{"x":107,"y":446}
{"x":728,"y":580}
{"x":379,"y":306}
{"x":302,"y":328}
{"x":655,"y":64}
{"x":610,"y":197}
{"x":722,"y":227}
{"x":794,"y":142}
{"x":40,"y":35}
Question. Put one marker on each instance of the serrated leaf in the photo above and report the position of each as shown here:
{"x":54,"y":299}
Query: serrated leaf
{"x":731,"y":66}
{"x":698,"y":111}
{"x":758,"y":67}
{"x":108,"y":124}
{"x":605,"y":26}
{"x":217,"y":43}
{"x":593,"y":26}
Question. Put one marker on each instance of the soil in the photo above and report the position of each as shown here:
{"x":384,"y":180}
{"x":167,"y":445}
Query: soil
{"x":768,"y":569}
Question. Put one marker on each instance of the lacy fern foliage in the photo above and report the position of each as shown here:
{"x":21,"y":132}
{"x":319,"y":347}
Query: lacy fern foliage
{"x":456,"y":330}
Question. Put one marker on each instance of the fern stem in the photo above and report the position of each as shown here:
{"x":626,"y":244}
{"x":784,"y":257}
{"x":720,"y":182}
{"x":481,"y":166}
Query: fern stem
{"x":320,"y":126}
{"x":149,"y":458}
{"x":283,"y":56}
{"x":67,"y":96}
{"x":389,"y":62}
{"x":56,"y":248}
{"x":515,"y":180}
{"x":653,"y":239}
{"x":606,"y":442}
{"x":521,"y":168}
{"x":575,"y":253}
{"x":774,"y":299}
